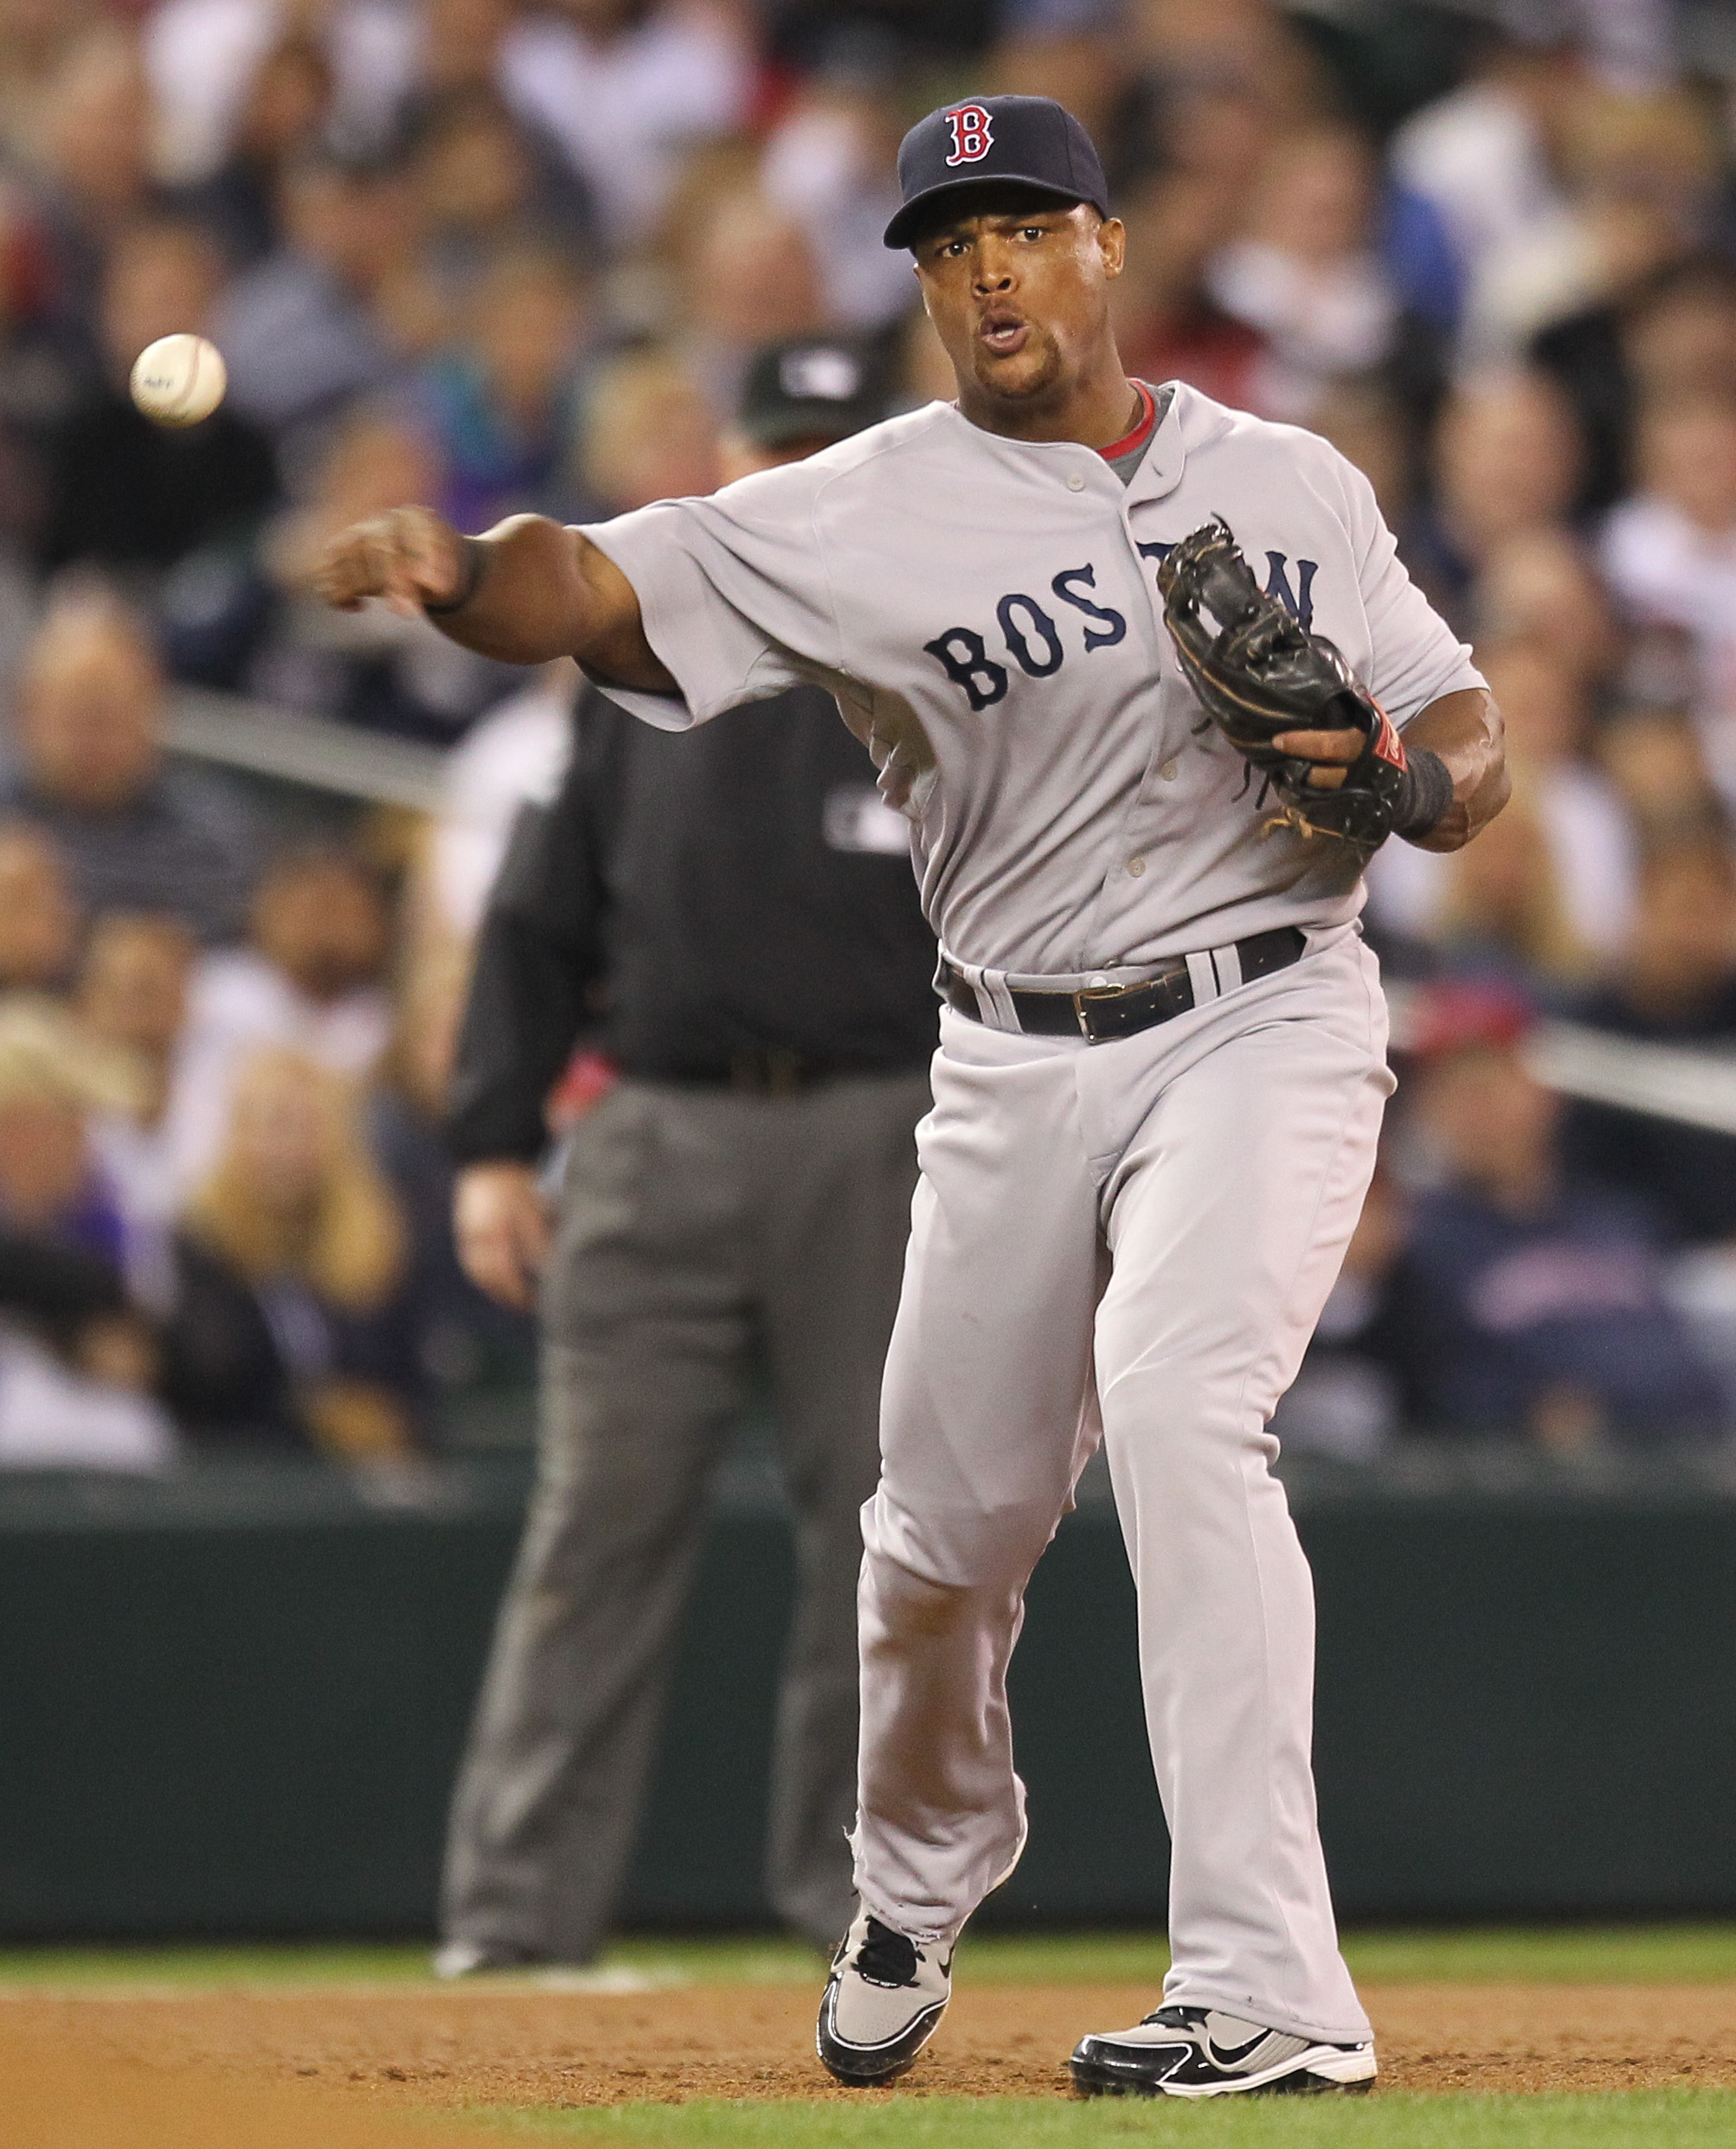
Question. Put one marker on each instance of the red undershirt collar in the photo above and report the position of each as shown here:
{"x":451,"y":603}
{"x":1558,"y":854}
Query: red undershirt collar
{"x":1141,"y":430}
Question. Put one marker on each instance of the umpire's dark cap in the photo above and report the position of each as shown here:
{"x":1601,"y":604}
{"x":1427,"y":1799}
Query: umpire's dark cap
{"x":813,"y":387}
{"x":1032,"y":140}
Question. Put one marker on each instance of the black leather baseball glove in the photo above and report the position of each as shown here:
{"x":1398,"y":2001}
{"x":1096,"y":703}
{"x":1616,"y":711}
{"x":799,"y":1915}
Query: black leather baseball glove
{"x":1258,"y":674}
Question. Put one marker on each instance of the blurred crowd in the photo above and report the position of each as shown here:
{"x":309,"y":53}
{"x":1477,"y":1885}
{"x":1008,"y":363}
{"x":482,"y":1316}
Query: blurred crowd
{"x":501,"y":255}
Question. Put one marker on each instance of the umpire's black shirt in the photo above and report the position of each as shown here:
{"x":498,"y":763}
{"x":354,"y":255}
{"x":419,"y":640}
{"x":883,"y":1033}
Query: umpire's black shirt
{"x":695,"y":903}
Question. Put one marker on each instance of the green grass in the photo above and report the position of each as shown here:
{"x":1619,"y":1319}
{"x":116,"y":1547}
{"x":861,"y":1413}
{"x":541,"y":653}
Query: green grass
{"x":1682,"y":2119}
{"x":1671,"y":1954}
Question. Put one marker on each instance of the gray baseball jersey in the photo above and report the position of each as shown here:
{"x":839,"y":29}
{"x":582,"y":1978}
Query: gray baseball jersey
{"x":986,"y":613}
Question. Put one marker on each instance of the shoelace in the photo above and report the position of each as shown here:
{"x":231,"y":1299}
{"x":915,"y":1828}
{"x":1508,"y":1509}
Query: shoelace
{"x":886,"y":1957}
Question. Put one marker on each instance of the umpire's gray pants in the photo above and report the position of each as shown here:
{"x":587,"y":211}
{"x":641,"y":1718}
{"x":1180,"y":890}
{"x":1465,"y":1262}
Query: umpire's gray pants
{"x":700,"y":1230}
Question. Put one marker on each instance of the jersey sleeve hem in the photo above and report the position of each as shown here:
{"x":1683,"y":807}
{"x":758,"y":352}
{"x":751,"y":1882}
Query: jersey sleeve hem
{"x":684,"y":626}
{"x":1456,"y":679}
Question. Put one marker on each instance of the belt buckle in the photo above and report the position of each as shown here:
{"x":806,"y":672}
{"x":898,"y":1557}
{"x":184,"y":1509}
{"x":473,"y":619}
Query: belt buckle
{"x":1090,"y":992}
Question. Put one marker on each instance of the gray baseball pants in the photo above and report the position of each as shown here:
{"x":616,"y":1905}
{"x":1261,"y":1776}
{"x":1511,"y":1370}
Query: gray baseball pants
{"x":1130,"y":1243}
{"x":700,"y":1231}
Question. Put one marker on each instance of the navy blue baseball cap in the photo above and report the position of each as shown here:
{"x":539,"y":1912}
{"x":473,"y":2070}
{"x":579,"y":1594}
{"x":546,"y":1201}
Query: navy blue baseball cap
{"x":1032,"y":140}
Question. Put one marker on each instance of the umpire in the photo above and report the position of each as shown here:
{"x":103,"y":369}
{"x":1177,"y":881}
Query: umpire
{"x":730,"y":916}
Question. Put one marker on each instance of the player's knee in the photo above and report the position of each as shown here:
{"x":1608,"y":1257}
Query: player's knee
{"x":954,"y":1549}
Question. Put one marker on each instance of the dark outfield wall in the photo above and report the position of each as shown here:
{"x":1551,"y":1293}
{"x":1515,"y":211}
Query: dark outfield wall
{"x":231,"y":1703}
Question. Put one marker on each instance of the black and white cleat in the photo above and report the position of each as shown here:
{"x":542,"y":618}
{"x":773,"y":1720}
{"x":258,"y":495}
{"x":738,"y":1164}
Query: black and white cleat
{"x":883,"y":2002}
{"x":1200,"y":2052}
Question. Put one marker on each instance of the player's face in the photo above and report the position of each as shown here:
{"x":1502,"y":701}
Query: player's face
{"x":1019,"y":293}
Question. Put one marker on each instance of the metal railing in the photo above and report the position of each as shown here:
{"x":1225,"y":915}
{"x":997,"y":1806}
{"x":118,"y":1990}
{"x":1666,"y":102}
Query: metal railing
{"x":294,"y":747}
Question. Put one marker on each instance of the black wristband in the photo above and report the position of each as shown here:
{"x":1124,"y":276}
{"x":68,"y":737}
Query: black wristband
{"x":1427,"y":793}
{"x":473,"y":555}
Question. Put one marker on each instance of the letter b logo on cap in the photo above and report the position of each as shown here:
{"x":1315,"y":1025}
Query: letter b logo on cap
{"x":972,"y":134}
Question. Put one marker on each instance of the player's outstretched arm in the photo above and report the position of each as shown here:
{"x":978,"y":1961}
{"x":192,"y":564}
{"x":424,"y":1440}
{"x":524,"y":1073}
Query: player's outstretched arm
{"x":528,"y":590}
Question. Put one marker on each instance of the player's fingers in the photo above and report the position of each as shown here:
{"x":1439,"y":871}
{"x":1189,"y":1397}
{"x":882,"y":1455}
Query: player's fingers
{"x":1326,"y":779}
{"x":402,"y":580}
{"x":1342,"y":746}
{"x":429,"y":552}
{"x":343,"y":576}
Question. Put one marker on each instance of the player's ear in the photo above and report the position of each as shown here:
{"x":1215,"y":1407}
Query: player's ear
{"x":1112,"y":244}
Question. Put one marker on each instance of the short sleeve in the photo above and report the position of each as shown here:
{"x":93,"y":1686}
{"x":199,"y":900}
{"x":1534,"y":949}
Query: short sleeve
{"x":733,"y":593}
{"x":1416,"y":656}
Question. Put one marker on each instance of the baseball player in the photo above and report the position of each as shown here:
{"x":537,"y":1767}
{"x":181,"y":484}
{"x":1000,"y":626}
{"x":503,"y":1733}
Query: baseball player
{"x":1127,"y":659}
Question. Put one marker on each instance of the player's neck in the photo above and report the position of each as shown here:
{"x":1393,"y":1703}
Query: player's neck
{"x":1095,"y":411}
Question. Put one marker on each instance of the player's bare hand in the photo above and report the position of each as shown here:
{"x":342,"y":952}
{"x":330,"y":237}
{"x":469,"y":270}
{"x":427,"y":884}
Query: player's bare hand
{"x":501,"y":1224}
{"x":407,"y":559}
{"x":1334,"y":751}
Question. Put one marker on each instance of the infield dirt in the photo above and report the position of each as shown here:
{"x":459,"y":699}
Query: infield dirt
{"x":368,"y":2057}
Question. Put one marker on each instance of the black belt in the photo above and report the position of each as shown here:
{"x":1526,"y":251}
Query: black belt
{"x":1099,"y":1013}
{"x":765,"y":1070}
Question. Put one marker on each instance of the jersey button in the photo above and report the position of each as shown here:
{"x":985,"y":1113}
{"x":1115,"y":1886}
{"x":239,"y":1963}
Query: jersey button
{"x":1135,"y":866}
{"x":1076,"y":481}
{"x":1169,"y":772}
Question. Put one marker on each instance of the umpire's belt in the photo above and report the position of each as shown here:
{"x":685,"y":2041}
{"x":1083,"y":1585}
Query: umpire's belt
{"x":1099,"y":1013}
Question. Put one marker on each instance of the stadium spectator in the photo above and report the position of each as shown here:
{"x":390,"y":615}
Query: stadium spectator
{"x":649,"y":435}
{"x":285,"y":114}
{"x":290,"y":1319}
{"x":1582,"y":880}
{"x":297,"y":329}
{"x":52,"y":1186}
{"x":624,"y":86}
{"x":1506,"y":461}
{"x":88,"y":174}
{"x":1367,"y":422}
{"x":1655,"y":761}
{"x":459,"y":44}
{"x":831,"y":164}
{"x":745,"y":273}
{"x":1539,"y":588}
{"x":1670,"y":554}
{"x":1510,"y":915}
{"x":311,"y":980}
{"x":1676,"y":985}
{"x":1673,"y":335}
{"x":1303,"y":273}
{"x":483,"y":181}
{"x":1482,"y":155}
{"x":1588,"y":835}
{"x":38,"y":921}
{"x":1637,"y":166}
{"x":133,"y":833}
{"x":205,"y":58}
{"x":1531,"y":1303}
{"x":1644,"y":168}
{"x":121,"y":491}
{"x":1220,"y":78}
{"x":1168,"y":324}
{"x":501,"y":402}
{"x":77,"y":1363}
{"x":132,"y":998}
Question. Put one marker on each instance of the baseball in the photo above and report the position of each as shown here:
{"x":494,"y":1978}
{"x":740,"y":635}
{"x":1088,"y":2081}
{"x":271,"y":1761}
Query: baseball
{"x":179,"y":379}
